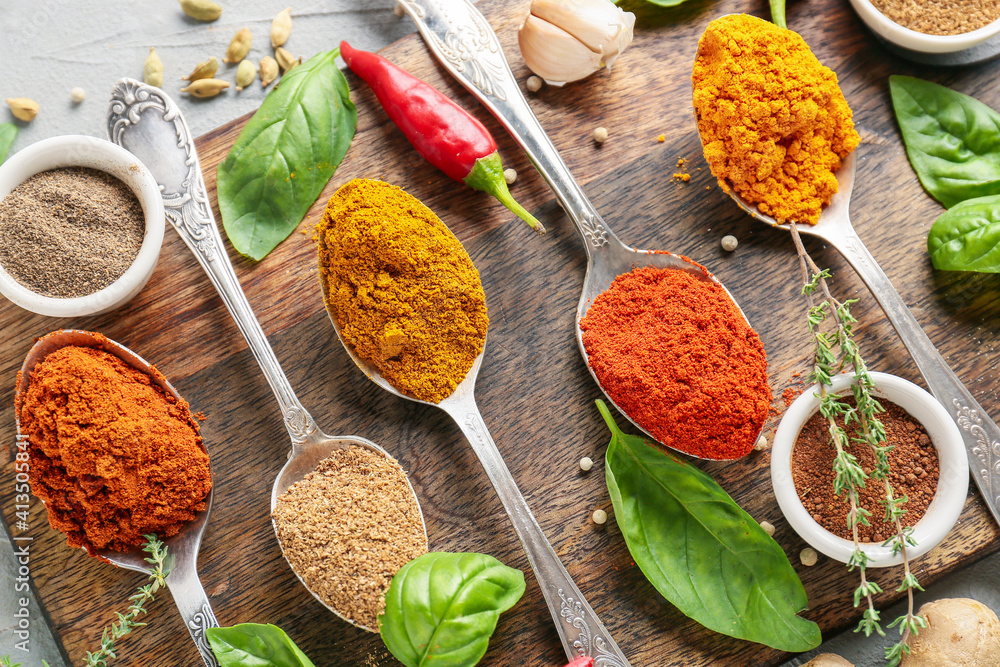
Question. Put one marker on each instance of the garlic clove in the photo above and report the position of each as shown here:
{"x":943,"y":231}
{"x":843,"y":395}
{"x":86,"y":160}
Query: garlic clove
{"x":601,"y":25}
{"x":554,"y":54}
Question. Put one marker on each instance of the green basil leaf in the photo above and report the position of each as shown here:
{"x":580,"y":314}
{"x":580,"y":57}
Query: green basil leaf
{"x":285,"y":155}
{"x":952,"y":140}
{"x":700,"y":550}
{"x":8,"y":132}
{"x":255,"y":645}
{"x":442,"y":608}
{"x":967,"y":237}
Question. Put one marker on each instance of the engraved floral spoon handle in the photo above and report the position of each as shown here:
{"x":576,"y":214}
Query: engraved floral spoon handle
{"x":192,"y":602}
{"x":462,"y":39}
{"x":147,"y":122}
{"x":579,"y":628}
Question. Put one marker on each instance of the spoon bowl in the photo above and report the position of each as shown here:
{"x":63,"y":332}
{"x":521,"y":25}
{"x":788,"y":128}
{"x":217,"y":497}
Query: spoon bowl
{"x":146,"y":121}
{"x":443,"y":21}
{"x":182,"y":548}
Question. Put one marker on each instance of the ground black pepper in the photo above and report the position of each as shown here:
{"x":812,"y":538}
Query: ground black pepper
{"x":70,"y":232}
{"x":913,"y":460}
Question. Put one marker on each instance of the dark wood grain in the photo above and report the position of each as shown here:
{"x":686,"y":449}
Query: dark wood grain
{"x":534,"y":391}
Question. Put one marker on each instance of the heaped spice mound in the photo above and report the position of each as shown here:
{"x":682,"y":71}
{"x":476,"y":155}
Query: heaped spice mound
{"x":675,"y":353}
{"x":773,"y":121}
{"x":402,"y":289}
{"x":113,"y":456}
{"x":348,"y":527}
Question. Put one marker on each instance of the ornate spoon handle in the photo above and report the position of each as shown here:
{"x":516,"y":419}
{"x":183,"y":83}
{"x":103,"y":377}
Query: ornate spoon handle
{"x":579,"y":628}
{"x":185,"y":201}
{"x":461,"y":38}
{"x":980,"y":433}
{"x":193,"y":604}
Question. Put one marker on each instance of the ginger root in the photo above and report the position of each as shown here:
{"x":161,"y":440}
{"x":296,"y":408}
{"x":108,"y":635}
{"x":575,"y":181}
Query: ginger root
{"x":959,"y":633}
{"x":828,"y":660}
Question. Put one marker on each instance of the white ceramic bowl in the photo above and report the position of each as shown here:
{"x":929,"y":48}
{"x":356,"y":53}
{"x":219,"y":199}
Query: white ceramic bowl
{"x":83,"y":151}
{"x":953,"y":480}
{"x":893,"y":32}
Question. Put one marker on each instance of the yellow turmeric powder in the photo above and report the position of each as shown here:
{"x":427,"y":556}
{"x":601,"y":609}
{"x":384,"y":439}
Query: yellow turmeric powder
{"x":773,"y":121}
{"x":403,"y":291}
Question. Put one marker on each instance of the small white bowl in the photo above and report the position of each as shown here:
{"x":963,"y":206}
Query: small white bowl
{"x":893,"y":32}
{"x":83,"y":151}
{"x":953,"y":480}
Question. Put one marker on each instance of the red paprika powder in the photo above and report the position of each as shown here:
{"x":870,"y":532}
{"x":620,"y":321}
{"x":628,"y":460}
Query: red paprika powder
{"x":112,"y":454}
{"x":676,"y":354}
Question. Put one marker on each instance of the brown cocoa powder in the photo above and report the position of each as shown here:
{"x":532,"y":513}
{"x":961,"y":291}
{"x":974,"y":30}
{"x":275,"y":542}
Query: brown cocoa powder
{"x":913,"y":461}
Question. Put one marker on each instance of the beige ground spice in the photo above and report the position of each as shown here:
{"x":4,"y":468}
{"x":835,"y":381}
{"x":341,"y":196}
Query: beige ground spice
{"x":348,"y":527}
{"x":940,"y":17}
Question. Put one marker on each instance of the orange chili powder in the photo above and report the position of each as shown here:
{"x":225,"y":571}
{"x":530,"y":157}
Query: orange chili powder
{"x":675,"y":353}
{"x":112,"y":454}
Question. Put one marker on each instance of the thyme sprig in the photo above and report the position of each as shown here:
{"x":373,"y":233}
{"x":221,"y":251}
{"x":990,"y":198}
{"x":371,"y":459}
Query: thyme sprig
{"x":5,"y":661}
{"x":849,"y":476}
{"x":127,"y":622}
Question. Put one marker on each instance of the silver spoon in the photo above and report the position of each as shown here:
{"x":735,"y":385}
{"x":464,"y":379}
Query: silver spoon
{"x":462,"y":39}
{"x":145,"y":121}
{"x":182,"y":548}
{"x":980,"y":434}
{"x":579,"y":628}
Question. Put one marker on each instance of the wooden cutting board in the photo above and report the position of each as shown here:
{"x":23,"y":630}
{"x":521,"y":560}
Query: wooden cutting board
{"x":534,"y":390}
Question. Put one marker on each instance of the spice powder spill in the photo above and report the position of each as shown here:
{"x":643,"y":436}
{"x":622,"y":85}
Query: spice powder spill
{"x":674,"y":352}
{"x":348,"y":527}
{"x":913,"y":460}
{"x":403,"y":291}
{"x":773,"y":122}
{"x":113,"y":456}
{"x":70,"y":232}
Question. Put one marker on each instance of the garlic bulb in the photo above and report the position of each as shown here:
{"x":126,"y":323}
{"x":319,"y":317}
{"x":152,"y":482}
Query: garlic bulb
{"x":567,"y":40}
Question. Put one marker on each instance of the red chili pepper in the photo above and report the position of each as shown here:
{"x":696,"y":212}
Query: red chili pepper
{"x":582,"y":661}
{"x":445,"y":134}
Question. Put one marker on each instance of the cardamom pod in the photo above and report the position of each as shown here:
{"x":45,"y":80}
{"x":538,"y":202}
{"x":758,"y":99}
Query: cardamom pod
{"x":268,"y":71}
{"x":239,"y":46}
{"x":281,"y":28}
{"x":23,"y":108}
{"x":201,"y":10}
{"x":206,"y":87}
{"x":245,"y":74}
{"x":152,"y":69}
{"x":286,"y":59}
{"x":204,"y":70}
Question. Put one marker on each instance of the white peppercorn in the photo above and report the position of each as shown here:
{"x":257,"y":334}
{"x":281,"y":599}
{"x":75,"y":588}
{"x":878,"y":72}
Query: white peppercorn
{"x":729,"y":243}
{"x":599,"y":516}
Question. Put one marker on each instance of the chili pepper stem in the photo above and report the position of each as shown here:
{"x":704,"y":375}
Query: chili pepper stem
{"x":487,"y":175}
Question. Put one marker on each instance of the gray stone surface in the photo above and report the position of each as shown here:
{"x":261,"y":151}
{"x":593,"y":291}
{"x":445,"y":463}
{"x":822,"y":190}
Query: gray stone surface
{"x":49,"y":46}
